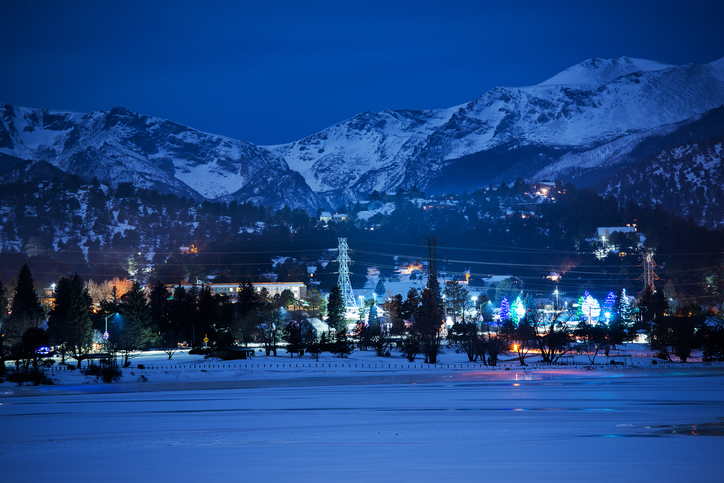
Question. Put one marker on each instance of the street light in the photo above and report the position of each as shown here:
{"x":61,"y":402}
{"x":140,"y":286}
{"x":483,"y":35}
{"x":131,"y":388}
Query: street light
{"x":106,"y":336}
{"x":556,"y":292}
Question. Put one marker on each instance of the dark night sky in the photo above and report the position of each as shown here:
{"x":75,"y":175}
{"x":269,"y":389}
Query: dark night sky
{"x":275,"y":71}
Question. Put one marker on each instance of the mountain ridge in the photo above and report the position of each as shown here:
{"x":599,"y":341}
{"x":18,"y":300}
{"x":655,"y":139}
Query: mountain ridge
{"x":587,"y":121}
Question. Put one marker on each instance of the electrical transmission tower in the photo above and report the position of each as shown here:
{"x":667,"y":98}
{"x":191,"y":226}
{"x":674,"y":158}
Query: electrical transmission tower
{"x":431,"y":260}
{"x":648,"y":263}
{"x":432,"y":282}
{"x":345,"y":286}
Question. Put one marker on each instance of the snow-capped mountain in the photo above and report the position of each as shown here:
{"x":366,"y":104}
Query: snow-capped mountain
{"x":121,"y":146}
{"x":583,"y":124}
{"x":589,"y":117}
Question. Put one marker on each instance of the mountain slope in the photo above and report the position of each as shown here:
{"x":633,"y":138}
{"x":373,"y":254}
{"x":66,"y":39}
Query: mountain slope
{"x":688,"y":180}
{"x":548,"y":130}
{"x":582,"y":125}
{"x":152,"y":153}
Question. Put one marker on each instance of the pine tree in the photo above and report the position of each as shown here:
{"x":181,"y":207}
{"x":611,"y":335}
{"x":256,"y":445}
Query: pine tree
{"x":336,"y":310}
{"x":394,"y":309}
{"x":79,"y":329}
{"x":410,"y":309}
{"x":380,"y":289}
{"x":504,"y":310}
{"x":134,"y":331}
{"x":60,"y":322}
{"x":429,"y":326}
{"x":160,"y":305}
{"x":342,"y":345}
{"x":26,"y":310}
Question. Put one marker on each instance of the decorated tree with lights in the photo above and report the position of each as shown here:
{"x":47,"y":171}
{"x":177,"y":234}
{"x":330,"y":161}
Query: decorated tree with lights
{"x":609,"y":306}
{"x":620,"y":326}
{"x":518,"y":310}
{"x":588,"y":307}
{"x":622,"y":308}
{"x":504,"y":309}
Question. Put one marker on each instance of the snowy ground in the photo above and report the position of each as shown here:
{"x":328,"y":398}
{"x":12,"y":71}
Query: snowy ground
{"x":365,"y":423}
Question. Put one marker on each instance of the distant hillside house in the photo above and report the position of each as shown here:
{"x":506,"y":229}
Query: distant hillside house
{"x":372,"y":205}
{"x":603,"y":233}
{"x":299,"y":289}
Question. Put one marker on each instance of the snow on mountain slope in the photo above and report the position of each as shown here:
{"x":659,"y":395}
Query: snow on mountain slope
{"x":404,"y":148}
{"x":120,"y":146}
{"x":597,"y":72}
{"x":352,"y":149}
{"x":687,"y":179}
{"x":589,"y":120}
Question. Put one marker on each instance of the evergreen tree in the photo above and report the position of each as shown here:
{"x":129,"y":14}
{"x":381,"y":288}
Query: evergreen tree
{"x":61,"y":320}
{"x":410,"y":309}
{"x":182,"y":314}
{"x":429,"y":326}
{"x":209,"y":317}
{"x":457,"y":301}
{"x":342,"y":345}
{"x":79,"y":324}
{"x":394,"y":308}
{"x":504,"y":310}
{"x":160,"y":304}
{"x":380,"y":289}
{"x":134,"y":331}
{"x":336,"y":310}
{"x":247,"y":299}
{"x":26,"y":310}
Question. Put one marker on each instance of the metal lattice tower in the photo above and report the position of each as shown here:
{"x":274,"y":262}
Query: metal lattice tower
{"x":431,"y":259}
{"x":345,"y":286}
{"x":649,"y":276}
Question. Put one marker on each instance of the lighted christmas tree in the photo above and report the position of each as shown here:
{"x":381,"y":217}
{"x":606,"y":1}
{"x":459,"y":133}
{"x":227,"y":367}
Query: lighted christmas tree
{"x":518,"y":310}
{"x":590,"y":308}
{"x":623,"y":306}
{"x":504,"y":309}
{"x":609,"y":305}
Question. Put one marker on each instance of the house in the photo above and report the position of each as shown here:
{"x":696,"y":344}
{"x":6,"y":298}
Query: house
{"x":317,"y":326}
{"x":603,"y":233}
{"x":299,"y":289}
{"x":325,"y":217}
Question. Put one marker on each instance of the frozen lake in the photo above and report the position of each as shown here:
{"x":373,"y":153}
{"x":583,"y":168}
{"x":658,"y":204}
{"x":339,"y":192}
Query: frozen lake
{"x":558,"y":425}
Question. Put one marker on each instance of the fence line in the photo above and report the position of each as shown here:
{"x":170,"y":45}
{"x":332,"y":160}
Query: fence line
{"x":418,"y":366}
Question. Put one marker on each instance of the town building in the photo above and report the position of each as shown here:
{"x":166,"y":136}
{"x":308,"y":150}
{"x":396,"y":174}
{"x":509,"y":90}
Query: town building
{"x":299,"y":289}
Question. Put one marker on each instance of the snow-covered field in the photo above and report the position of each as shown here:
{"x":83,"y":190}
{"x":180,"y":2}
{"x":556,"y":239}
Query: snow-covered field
{"x":226,"y":422}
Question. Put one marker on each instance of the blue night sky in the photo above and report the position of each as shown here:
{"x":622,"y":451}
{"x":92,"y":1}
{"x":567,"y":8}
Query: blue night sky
{"x":276,"y":71}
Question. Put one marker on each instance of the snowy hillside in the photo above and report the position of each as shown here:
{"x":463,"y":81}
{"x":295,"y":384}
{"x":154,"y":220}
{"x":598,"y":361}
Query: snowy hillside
{"x":151,"y":153}
{"x":688,"y":180}
{"x":598,"y":72}
{"x":581,"y":125}
{"x":589,"y":116}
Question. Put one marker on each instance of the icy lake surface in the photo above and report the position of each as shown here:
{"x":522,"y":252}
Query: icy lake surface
{"x":557,"y":425}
